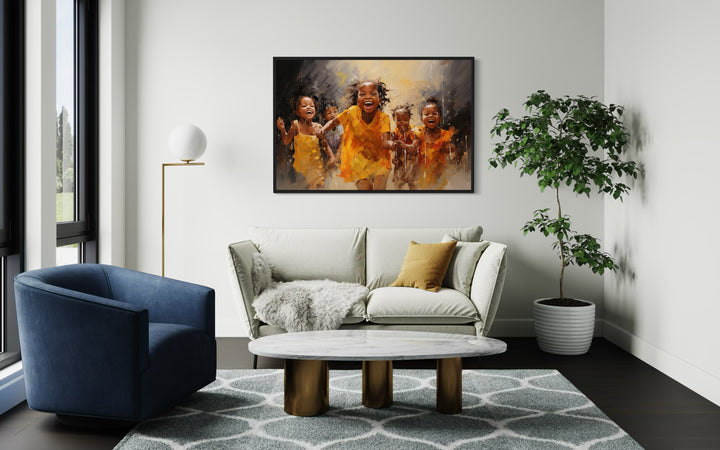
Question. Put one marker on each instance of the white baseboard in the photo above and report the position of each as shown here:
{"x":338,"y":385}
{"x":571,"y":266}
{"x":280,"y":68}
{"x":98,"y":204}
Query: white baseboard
{"x":12,"y":387}
{"x":683,"y":372}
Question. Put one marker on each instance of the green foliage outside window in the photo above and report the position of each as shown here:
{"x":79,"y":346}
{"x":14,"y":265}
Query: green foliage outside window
{"x":64,"y":168}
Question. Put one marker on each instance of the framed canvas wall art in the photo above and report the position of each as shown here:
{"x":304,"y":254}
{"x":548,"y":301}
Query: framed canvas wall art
{"x":373,"y":124}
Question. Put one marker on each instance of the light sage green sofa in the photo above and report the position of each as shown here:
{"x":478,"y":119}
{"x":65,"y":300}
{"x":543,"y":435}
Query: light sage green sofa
{"x":373,"y":257}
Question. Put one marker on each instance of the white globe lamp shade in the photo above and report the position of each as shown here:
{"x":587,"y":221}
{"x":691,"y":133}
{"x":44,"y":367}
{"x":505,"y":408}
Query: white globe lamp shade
{"x":187,"y":142}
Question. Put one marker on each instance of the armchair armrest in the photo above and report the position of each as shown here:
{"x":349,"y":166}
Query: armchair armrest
{"x":240,"y":261}
{"x":167,"y":300}
{"x":63,"y":366}
{"x":487,"y":284}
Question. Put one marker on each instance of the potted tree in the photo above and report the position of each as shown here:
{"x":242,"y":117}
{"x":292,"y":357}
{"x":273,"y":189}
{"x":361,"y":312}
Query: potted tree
{"x":576,"y":142}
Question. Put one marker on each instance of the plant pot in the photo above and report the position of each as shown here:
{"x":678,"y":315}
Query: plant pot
{"x":564,"y":330}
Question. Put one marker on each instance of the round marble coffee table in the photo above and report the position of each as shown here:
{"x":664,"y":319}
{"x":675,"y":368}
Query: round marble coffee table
{"x":307,"y":354}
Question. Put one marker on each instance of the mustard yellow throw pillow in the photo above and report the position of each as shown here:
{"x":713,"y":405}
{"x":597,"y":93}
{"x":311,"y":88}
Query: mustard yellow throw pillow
{"x":425,"y":265}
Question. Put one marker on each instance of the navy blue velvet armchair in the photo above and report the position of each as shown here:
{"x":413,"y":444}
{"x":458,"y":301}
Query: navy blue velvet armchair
{"x":108,"y":342}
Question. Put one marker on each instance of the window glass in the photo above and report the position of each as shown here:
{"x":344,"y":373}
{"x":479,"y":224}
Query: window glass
{"x":65,"y":112}
{"x":76,"y":130}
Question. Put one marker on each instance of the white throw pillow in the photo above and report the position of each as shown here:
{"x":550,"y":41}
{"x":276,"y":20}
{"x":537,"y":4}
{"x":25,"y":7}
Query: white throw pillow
{"x":460,"y":272}
{"x":261,"y":274}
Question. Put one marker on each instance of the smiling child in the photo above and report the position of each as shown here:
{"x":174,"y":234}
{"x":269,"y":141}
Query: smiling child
{"x":366,"y":139}
{"x":405,"y":149}
{"x":308,"y":142}
{"x":435,"y":146}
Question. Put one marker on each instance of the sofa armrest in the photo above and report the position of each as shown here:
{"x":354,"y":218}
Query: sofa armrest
{"x":240,"y":262}
{"x":167,"y":300}
{"x":487,"y":284}
{"x":78,"y":347}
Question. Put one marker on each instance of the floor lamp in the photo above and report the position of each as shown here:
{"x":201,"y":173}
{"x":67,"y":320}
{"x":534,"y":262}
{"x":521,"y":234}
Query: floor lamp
{"x":187,"y":143}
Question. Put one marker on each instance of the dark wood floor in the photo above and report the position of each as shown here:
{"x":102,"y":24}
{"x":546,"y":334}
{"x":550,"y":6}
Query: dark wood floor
{"x":656,"y":411}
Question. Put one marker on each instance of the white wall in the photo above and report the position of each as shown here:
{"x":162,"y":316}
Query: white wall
{"x":210,"y":63}
{"x":111,"y":245}
{"x":661,"y":62}
{"x":40,"y":220}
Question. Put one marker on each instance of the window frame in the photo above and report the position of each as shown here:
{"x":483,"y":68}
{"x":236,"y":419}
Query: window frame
{"x":83,"y":230}
{"x":12,"y":152}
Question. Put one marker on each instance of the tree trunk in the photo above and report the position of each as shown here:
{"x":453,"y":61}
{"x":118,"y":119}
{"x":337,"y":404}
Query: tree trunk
{"x":562,"y":245}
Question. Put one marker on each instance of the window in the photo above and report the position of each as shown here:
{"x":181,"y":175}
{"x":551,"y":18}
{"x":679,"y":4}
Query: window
{"x":76,"y":130}
{"x":12,"y":129}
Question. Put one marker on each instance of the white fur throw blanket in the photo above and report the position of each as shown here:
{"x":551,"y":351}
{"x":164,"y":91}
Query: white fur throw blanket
{"x":306,"y":305}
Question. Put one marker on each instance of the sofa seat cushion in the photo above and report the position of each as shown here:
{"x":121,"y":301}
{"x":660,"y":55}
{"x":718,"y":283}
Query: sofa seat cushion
{"x":405,"y":305}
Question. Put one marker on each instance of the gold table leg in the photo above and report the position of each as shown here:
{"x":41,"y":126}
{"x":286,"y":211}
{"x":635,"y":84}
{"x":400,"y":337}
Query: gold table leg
{"x":377,"y":384}
{"x":449,"y":385}
{"x":307,"y":384}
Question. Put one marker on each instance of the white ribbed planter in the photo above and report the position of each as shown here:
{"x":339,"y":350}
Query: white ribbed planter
{"x":564,"y":330}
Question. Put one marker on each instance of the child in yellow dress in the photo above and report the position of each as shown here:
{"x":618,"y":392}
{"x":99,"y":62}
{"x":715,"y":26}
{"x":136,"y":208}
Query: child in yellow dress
{"x":308,"y":142}
{"x":405,"y":149}
{"x":435,"y":146}
{"x":366,"y":142}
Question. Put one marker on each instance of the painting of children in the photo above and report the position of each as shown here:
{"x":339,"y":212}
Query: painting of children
{"x":341,"y":139}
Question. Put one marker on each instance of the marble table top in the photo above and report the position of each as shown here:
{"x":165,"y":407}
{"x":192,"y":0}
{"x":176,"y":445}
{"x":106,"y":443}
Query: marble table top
{"x":371,"y":345}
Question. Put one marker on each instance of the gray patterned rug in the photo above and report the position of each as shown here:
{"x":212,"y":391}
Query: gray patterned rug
{"x":502,"y":409}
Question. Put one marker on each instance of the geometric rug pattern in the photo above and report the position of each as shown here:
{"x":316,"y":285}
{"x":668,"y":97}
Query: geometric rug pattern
{"x":502,"y":409}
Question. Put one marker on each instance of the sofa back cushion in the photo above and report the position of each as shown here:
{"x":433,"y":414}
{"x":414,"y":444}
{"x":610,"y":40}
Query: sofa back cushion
{"x":386,"y":248}
{"x":313,"y":253}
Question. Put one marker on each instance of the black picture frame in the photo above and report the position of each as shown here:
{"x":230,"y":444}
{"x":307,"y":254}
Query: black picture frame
{"x":429,"y":157}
